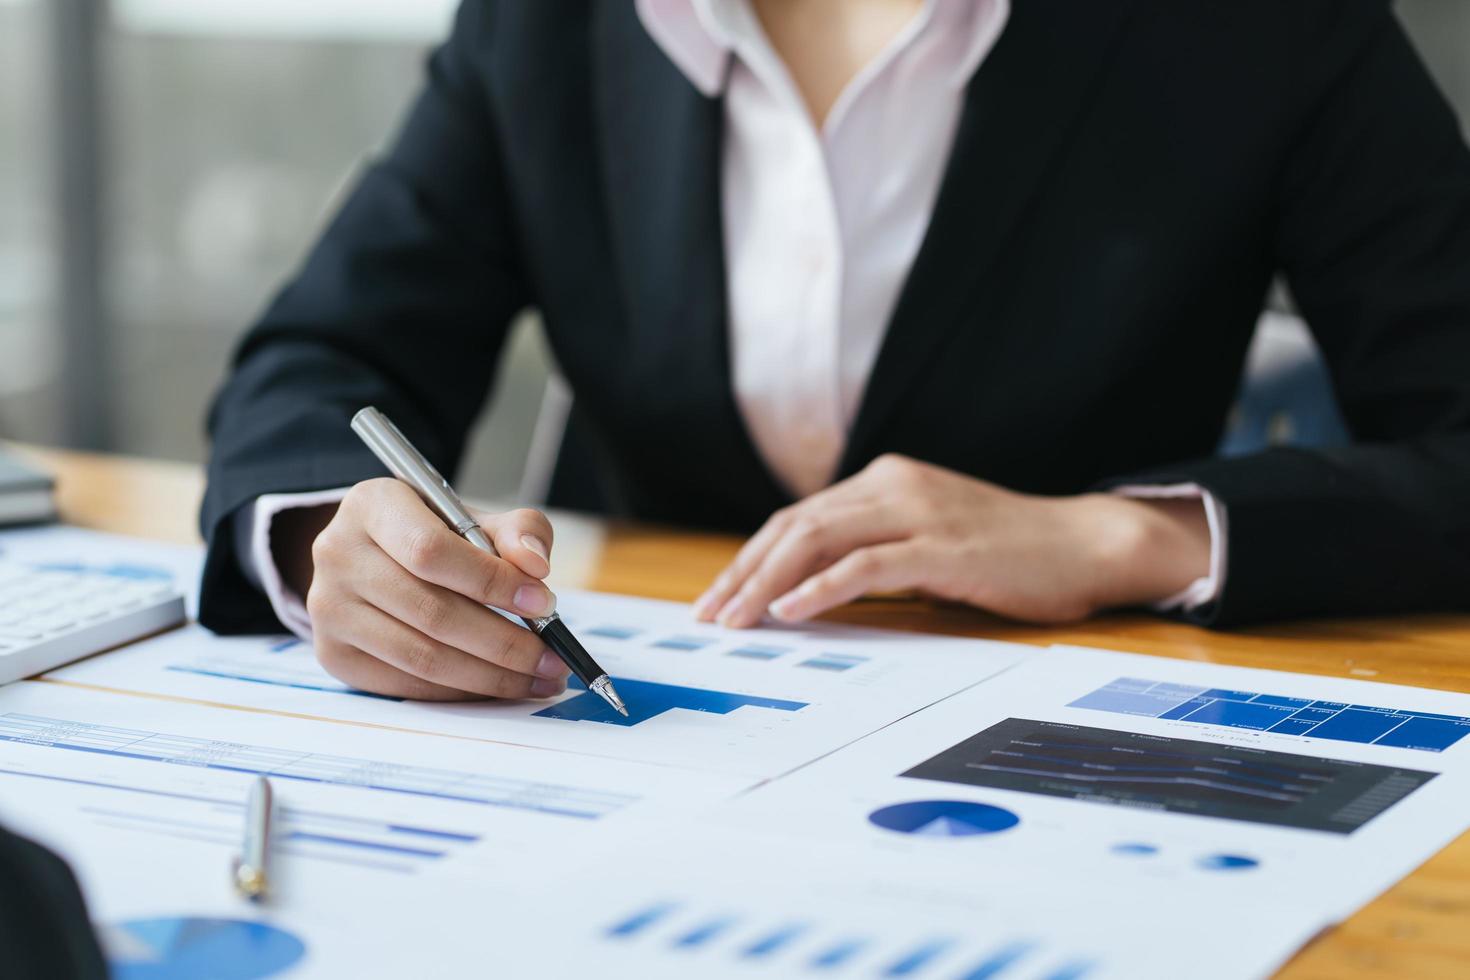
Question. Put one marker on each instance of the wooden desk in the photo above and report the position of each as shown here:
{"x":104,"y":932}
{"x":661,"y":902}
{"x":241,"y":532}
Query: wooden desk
{"x":1419,"y":929}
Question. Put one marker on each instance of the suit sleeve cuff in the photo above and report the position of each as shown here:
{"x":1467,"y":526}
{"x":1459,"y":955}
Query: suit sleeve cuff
{"x":1204,"y":590}
{"x":252,"y":531}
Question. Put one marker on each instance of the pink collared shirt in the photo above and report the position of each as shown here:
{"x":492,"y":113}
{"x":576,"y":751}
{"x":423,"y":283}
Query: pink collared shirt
{"x":822,"y":224}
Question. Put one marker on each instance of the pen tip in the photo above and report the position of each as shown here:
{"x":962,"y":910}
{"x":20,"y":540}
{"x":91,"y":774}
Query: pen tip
{"x":622,"y":711}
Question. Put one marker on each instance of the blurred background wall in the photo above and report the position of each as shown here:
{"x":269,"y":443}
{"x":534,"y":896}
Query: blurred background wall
{"x":133,"y":252}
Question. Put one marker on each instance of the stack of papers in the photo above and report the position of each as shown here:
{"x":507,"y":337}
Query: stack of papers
{"x":820,"y":800}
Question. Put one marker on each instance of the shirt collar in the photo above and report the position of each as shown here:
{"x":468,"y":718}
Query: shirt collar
{"x":698,"y":36}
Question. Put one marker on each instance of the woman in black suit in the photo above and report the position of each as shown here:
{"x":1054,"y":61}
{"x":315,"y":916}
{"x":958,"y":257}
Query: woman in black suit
{"x":946,"y":295}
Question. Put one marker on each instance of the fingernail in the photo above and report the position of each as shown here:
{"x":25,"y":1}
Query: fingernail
{"x":535,"y":600}
{"x":545,"y":687}
{"x":702,"y":605}
{"x":535,"y":546}
{"x":550,"y":666}
{"x":732,"y":609}
{"x":782,"y":607}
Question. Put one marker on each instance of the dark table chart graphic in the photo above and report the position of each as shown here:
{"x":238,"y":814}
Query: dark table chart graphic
{"x":1178,"y":775}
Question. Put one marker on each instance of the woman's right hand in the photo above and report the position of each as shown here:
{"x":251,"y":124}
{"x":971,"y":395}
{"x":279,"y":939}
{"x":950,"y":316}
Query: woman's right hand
{"x":398,"y":600}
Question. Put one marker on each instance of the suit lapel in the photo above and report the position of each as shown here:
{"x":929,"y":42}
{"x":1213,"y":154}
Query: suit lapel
{"x":1018,"y":109}
{"x":660,"y":142}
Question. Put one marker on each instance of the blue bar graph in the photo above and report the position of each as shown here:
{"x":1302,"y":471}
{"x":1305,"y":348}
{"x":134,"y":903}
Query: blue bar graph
{"x":640,"y":920}
{"x":704,"y":932}
{"x":836,"y":955}
{"x":758,"y":652}
{"x":646,"y":699}
{"x":686,"y":643}
{"x":326,"y":687}
{"x":367,"y":845}
{"x":311,"y":767}
{"x":833,"y":661}
{"x":1335,"y":720}
{"x":790,"y":944}
{"x":999,"y":961}
{"x":614,"y":632}
{"x":914,"y":961}
{"x":773,"y":942}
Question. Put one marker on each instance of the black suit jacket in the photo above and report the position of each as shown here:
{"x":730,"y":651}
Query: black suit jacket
{"x":44,"y":930}
{"x":1127,"y":178}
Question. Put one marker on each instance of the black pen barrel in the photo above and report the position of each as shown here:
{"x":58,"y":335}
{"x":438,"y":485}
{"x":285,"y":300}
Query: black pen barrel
{"x":556,"y":635}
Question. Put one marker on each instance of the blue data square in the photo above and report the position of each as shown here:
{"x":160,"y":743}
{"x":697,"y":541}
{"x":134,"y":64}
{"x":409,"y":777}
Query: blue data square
{"x":1224,"y":695}
{"x":683,"y":643}
{"x":1294,"y":726}
{"x":1179,"y":691}
{"x":1351,"y":725}
{"x":1121,"y":702}
{"x":1187,"y":707}
{"x":1377,"y":710}
{"x":1240,"y":714}
{"x":1329,"y":705}
{"x":832,"y":661}
{"x":1314,"y":714}
{"x":1429,"y":734}
{"x":758,"y":652}
{"x":613,"y":632}
{"x":1282,"y":702}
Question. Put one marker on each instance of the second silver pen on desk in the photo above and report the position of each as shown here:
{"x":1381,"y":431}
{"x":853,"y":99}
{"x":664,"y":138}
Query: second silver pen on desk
{"x":251,"y":878}
{"x":409,"y":465}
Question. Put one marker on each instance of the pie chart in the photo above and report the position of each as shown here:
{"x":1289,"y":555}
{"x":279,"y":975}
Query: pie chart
{"x":943,"y":818}
{"x":195,"y":948}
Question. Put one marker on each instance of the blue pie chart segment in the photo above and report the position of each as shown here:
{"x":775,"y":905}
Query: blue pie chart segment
{"x":943,"y":818}
{"x":1227,"y":862}
{"x":189,"y":948}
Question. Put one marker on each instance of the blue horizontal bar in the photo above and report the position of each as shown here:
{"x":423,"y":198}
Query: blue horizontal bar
{"x":325,"y":689}
{"x":639,"y":921}
{"x":368,"y":845}
{"x":440,"y":834}
{"x":837,"y":955}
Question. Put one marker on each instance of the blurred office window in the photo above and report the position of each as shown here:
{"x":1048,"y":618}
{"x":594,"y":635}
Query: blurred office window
{"x":29,"y":358}
{"x":237,"y":127}
{"x":228,"y":132}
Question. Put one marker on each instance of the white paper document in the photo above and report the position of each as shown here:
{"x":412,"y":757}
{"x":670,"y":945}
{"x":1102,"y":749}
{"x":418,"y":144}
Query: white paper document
{"x":755,"y":703}
{"x":695,"y":901}
{"x":145,"y":798}
{"x":1133,"y":781}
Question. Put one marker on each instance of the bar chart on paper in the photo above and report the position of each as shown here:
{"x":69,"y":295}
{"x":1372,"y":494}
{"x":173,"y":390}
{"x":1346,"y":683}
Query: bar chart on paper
{"x":151,"y":785}
{"x":304,"y":766}
{"x":1304,"y":717}
{"x":665,"y":937}
{"x":649,"y":700}
{"x":752,"y":704}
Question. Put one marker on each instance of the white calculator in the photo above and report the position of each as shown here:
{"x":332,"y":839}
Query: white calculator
{"x":53,"y":614}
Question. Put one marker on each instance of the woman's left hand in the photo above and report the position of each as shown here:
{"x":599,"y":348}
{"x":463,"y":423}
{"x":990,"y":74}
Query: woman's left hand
{"x":905,"y":525}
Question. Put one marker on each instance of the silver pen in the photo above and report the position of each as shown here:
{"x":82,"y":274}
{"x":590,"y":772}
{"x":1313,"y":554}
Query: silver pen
{"x":250,"y":876}
{"x":405,"y":462}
